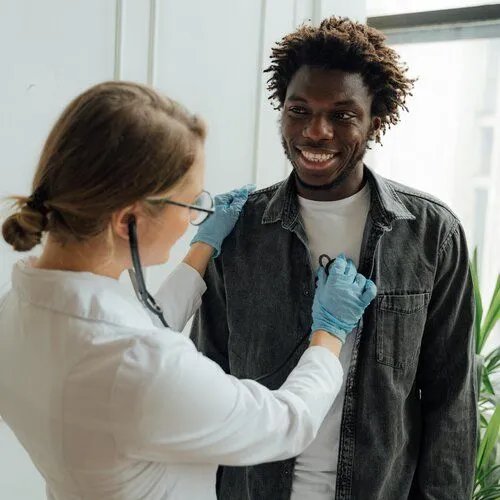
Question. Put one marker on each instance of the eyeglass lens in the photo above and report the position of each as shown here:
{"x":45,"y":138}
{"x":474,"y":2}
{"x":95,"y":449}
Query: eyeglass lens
{"x":203,"y":201}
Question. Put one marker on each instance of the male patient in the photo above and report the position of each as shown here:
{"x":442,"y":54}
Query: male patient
{"x":404,"y":425}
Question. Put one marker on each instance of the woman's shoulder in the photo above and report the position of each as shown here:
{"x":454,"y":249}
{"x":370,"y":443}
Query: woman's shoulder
{"x":143,"y":354}
{"x":110,"y":351}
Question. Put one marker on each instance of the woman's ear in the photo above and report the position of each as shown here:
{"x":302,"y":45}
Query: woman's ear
{"x":121,"y":218}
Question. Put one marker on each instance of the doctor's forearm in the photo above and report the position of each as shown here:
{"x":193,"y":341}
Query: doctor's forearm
{"x":325,"y":339}
{"x":199,"y":256}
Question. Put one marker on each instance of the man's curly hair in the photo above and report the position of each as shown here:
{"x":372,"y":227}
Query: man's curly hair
{"x":339,"y":43}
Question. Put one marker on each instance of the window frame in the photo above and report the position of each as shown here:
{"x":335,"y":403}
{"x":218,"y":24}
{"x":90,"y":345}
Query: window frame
{"x":462,"y":23}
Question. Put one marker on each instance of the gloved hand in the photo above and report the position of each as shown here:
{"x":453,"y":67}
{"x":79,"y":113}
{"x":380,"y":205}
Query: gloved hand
{"x":219,"y":225}
{"x":340,"y":298}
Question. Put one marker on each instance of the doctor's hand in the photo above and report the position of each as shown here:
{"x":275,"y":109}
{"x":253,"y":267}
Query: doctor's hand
{"x":341,"y":298}
{"x":219,"y":225}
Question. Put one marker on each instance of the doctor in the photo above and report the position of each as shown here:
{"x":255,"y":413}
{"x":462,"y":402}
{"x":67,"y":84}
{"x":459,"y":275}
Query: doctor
{"x":108,"y":402}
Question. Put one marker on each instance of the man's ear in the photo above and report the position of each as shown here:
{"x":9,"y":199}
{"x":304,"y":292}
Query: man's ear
{"x":121,"y":218}
{"x":375,"y":127}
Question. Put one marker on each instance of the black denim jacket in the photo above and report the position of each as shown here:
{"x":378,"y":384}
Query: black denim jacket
{"x":409,"y":417}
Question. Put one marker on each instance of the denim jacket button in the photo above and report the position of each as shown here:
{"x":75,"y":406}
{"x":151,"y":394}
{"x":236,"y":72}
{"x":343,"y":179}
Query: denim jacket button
{"x":307,"y":292}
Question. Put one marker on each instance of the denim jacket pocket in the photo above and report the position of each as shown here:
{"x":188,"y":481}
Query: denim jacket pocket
{"x":400,"y":325}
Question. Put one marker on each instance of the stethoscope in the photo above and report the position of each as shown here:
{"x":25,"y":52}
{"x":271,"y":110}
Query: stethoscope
{"x":325,"y":262}
{"x":137,"y":277}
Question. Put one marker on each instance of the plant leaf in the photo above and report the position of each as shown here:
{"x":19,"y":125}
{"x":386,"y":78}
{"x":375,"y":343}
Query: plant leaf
{"x":487,"y":383}
{"x":484,"y":422}
{"x":492,"y":360}
{"x":489,"y":440}
{"x":493,"y":314}
{"x":478,"y":302}
{"x":484,"y":475}
{"x":489,"y":400}
{"x":488,"y":493}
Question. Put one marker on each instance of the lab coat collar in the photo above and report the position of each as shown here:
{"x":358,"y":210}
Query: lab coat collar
{"x":79,"y":294}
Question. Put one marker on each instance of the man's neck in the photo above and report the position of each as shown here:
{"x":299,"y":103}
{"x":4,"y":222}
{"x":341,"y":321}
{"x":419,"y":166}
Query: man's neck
{"x":349,"y":186}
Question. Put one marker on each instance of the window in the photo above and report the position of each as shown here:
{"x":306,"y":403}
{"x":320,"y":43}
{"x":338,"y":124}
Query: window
{"x":449,"y":143}
{"x":389,"y":7}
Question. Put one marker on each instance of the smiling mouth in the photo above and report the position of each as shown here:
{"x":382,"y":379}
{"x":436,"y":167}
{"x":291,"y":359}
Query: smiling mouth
{"x":316,"y":159}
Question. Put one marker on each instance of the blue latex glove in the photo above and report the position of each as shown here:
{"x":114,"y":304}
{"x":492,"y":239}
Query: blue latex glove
{"x":340,"y":298}
{"x":218,"y":226}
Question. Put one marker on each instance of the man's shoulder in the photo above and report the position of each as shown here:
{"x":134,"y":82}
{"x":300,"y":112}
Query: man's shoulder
{"x":251,"y":222}
{"x":259,"y":200}
{"x":422,"y":205}
{"x":264,"y":194}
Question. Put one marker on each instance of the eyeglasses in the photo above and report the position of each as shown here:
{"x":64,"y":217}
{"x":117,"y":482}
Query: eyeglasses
{"x":201,"y":209}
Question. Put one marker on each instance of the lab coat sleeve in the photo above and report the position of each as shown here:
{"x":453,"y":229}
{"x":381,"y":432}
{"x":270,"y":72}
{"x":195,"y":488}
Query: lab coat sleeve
{"x":172,"y":404}
{"x":180,"y":296}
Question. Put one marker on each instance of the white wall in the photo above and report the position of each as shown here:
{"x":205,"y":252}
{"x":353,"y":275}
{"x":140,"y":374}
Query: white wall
{"x":207,"y":54}
{"x":49,"y":51}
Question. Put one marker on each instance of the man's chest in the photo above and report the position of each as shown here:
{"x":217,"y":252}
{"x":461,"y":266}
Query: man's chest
{"x":335,"y":228}
{"x":270,"y":292}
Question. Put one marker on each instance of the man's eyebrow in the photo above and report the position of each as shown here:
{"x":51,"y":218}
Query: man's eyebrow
{"x":295,"y":97}
{"x":344,"y":102}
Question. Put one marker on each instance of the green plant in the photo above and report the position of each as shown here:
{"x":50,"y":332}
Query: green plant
{"x":487,"y":479}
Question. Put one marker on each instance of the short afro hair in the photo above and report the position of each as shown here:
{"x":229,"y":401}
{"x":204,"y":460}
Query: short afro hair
{"x":342,"y":44}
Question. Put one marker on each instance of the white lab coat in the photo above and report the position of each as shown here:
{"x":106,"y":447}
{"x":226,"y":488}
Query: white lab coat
{"x":109,"y":406}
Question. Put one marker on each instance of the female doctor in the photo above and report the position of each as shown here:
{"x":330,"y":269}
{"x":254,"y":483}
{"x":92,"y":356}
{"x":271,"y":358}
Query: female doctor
{"x":107,"y":402}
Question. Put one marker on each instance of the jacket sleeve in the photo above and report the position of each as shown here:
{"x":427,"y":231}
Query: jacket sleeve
{"x":447,"y":380}
{"x":210,"y":331}
{"x":172,"y":404}
{"x":180,"y":296}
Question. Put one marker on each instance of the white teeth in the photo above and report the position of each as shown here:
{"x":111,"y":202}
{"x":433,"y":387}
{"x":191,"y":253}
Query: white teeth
{"x":317,"y":157}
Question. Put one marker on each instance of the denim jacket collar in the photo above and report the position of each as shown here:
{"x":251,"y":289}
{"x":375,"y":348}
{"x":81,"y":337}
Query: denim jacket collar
{"x":386,"y":205}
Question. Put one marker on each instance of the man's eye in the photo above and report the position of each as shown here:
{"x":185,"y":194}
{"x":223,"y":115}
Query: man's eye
{"x":344,"y":116}
{"x":296,"y":110}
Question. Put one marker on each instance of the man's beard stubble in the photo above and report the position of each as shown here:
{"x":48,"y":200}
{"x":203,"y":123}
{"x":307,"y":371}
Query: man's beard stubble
{"x":346,"y":172}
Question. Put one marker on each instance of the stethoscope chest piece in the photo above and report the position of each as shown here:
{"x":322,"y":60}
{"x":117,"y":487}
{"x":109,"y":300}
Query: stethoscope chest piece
{"x":325,"y":262}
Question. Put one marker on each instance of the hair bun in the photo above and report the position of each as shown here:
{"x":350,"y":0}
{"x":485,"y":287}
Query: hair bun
{"x":23,"y":230}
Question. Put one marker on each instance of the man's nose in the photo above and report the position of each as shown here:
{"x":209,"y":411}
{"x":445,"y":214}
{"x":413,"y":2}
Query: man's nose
{"x":318,"y":128}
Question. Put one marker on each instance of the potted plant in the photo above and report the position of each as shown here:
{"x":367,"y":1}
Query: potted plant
{"x":487,"y":478}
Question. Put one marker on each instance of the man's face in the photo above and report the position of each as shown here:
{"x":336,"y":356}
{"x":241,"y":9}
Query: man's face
{"x":325,"y":124}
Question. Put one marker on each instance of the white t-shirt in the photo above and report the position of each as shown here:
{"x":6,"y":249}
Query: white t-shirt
{"x":332,"y":227}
